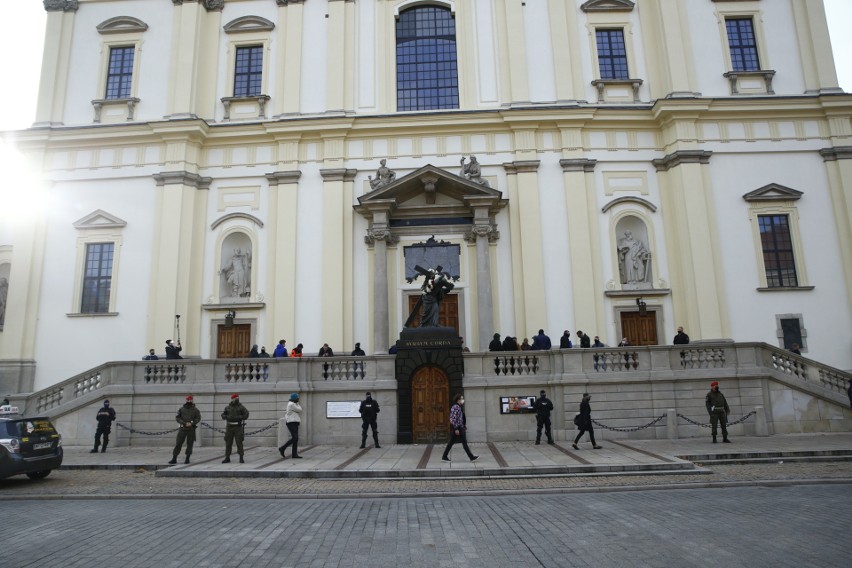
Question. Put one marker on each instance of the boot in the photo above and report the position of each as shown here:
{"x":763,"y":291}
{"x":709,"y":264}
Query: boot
{"x":173,"y":461}
{"x":296,"y":455}
{"x":227,"y":459}
{"x":376,"y":440}
{"x":281,"y":451}
{"x":538,"y":441}
{"x":714,"y":439}
{"x":103,"y":448}
{"x":96,"y":448}
{"x":363,"y":440}
{"x":726,"y":441}
{"x":186,"y":460}
{"x":241,"y":459}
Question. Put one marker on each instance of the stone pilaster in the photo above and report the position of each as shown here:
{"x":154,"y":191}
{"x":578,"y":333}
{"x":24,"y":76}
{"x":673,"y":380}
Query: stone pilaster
{"x":379,"y":238}
{"x":281,"y":271}
{"x":838,"y":165}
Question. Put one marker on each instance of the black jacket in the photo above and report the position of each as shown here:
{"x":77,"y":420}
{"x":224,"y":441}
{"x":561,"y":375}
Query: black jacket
{"x":495,"y":345}
{"x":681,"y":339}
{"x":585,"y":341}
{"x":585,"y":415}
{"x":105,"y":417}
{"x":543,"y":407}
{"x":369,"y":408}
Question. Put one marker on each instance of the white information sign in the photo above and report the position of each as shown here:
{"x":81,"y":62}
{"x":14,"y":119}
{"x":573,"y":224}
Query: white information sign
{"x":345,"y":409}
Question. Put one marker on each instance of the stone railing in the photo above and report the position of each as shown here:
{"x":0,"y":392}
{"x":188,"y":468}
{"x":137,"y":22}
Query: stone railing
{"x":807,"y":370}
{"x":66,"y":391}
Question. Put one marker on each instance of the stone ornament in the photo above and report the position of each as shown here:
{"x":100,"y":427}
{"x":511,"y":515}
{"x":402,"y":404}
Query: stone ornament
{"x":473,"y":171}
{"x":384,"y":175}
{"x":237,"y":273}
{"x":634,"y":261}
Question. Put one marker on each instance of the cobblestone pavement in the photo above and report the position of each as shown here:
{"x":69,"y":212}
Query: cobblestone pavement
{"x":778,"y":527}
{"x":142,"y":482}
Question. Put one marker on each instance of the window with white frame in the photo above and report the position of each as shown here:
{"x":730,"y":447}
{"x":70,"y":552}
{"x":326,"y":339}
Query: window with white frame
{"x":97,"y":278}
{"x":119,"y":72}
{"x":248,"y":71}
{"x":95,"y":281}
{"x":742,"y":44}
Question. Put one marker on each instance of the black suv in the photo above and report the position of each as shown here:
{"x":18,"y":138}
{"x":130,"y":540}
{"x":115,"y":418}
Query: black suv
{"x":28,"y":445}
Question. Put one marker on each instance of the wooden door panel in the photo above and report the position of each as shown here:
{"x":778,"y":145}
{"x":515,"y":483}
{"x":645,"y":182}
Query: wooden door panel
{"x":639,"y":329}
{"x":430,"y":413}
{"x":448,"y":311}
{"x":233,"y":343}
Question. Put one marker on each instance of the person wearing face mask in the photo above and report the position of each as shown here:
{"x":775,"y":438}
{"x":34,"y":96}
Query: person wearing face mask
{"x":458,"y":429}
{"x":369,"y":409}
{"x":105,"y":418}
{"x":292,"y":417}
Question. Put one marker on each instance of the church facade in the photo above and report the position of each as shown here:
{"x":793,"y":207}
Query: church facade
{"x":237,"y":172}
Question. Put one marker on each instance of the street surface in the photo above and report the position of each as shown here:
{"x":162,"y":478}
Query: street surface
{"x":794,"y":526}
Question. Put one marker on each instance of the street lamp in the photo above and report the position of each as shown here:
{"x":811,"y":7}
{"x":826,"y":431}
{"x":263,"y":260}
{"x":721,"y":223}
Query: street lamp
{"x":229,"y":319}
{"x":643,"y":307}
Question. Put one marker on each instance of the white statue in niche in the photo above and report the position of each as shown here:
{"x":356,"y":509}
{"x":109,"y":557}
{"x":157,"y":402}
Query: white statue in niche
{"x":237,"y":272}
{"x":634,"y":261}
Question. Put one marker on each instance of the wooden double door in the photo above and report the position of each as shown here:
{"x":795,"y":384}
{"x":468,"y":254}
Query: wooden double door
{"x":430,"y":406}
{"x":233,"y":342}
{"x":640,"y":329}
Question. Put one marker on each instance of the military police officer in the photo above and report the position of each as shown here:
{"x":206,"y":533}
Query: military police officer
{"x":105,"y":418}
{"x":188,"y":416}
{"x":369,"y":409}
{"x":718,"y":409}
{"x":543,"y":407}
{"x":235,"y":416}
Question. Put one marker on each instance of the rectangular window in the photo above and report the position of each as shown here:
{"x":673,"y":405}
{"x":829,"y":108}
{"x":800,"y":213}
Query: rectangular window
{"x":119,"y":72}
{"x":248,"y":71}
{"x":426,"y":65}
{"x":742,"y":44}
{"x":777,"y":246}
{"x":612,"y":55}
{"x":97,"y":278}
{"x":792,"y":331}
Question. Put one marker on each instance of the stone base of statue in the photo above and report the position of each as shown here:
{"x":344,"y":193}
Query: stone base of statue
{"x":429,"y":372}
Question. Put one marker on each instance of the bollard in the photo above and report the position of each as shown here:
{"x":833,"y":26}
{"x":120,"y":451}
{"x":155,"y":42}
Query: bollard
{"x":671,"y":424}
{"x":760,"y":426}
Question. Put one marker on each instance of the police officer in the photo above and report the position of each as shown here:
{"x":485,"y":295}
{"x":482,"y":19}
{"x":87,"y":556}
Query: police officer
{"x":543,"y":407}
{"x":235,"y":416}
{"x":188,"y":416}
{"x":369,"y":409}
{"x":105,"y":418}
{"x":718,"y":409}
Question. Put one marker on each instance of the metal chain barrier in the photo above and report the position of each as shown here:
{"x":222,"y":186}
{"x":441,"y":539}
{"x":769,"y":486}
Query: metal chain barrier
{"x":134,"y":431}
{"x":264,"y":429}
{"x":648,"y":425}
{"x":743,"y":419}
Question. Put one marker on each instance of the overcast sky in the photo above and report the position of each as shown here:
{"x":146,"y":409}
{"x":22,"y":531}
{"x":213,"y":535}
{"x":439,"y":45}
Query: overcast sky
{"x":22,"y":38}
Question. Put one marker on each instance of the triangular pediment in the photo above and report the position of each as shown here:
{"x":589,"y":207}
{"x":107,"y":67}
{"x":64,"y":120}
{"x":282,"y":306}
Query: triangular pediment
{"x":99,"y":219}
{"x":430,"y":192}
{"x":607,"y":6}
{"x":773,"y":192}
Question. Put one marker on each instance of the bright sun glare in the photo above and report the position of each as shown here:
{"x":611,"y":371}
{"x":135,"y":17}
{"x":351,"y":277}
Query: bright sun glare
{"x":22,"y":192}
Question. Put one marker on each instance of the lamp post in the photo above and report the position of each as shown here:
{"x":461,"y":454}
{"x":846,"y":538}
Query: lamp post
{"x":229,"y":319}
{"x":643,"y":307}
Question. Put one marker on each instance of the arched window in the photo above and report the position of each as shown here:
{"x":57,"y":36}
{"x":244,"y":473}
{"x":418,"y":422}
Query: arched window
{"x":426,"y":69}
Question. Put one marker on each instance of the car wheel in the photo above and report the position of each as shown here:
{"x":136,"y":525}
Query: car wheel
{"x":38,"y":474}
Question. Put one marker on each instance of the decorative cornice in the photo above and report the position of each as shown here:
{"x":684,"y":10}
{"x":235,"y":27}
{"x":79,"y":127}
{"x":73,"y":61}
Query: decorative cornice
{"x":278,"y":178}
{"x":682,"y":157}
{"x":607,"y":6}
{"x":183,"y":178}
{"x":522,"y":166}
{"x":99,"y":219}
{"x":773,"y":192}
{"x":121,"y":25}
{"x":61,"y":5}
{"x":237,"y":215}
{"x":338,"y":174}
{"x":209,"y":5}
{"x":248,"y":24}
{"x":837,"y":153}
{"x":578,"y":165}
{"x":630,"y":199}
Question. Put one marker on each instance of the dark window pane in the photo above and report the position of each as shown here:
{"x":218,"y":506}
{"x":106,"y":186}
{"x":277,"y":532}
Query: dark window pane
{"x":792,"y":330}
{"x":248,"y":71}
{"x":612,"y":55}
{"x":97,"y":278}
{"x":426,"y":65}
{"x":742,"y":44}
{"x":119,"y":73}
{"x":777,"y":246}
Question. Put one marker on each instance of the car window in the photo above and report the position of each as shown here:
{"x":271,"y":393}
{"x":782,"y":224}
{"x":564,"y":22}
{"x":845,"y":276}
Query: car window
{"x":27,"y":426}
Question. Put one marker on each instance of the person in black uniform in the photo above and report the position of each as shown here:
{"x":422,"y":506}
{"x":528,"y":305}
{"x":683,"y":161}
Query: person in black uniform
{"x":543,"y":407}
{"x":369,"y":409}
{"x":105,"y":418}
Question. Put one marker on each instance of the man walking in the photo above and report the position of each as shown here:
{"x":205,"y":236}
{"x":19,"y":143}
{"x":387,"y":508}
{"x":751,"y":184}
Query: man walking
{"x":458,"y":429}
{"x":369,"y":410}
{"x":718,"y":409}
{"x":105,"y":418}
{"x":235,"y":416}
{"x":543,"y":407}
{"x":188,"y":416}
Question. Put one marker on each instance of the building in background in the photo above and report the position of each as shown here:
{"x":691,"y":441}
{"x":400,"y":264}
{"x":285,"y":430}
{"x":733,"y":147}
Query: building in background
{"x":271,"y":169}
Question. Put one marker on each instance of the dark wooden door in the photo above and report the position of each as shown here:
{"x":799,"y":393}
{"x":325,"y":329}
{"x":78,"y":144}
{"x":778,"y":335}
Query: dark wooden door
{"x":448,"y":311}
{"x":235,"y":342}
{"x":639,"y":329}
{"x":430,"y":408}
